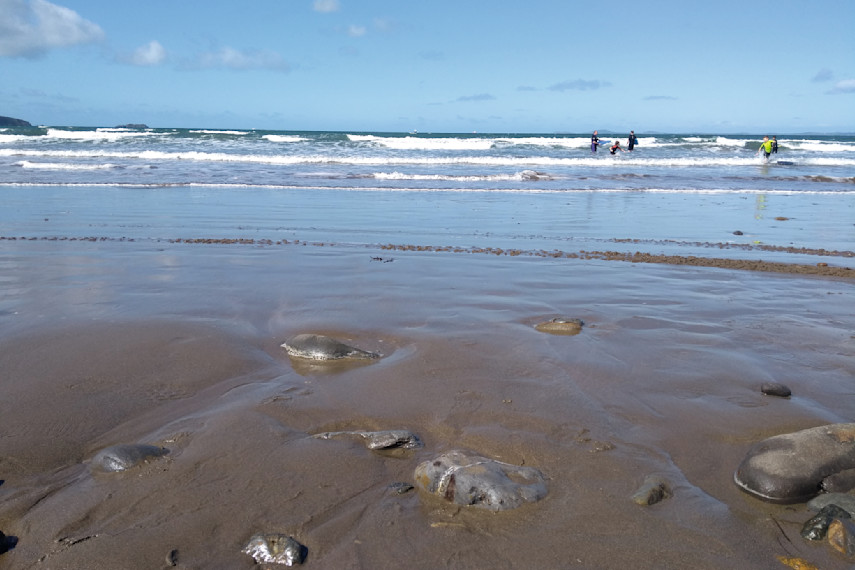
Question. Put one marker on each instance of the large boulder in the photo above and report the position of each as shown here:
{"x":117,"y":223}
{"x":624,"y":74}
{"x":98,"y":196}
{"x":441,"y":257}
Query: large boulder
{"x":464,"y":478}
{"x":791,"y":468}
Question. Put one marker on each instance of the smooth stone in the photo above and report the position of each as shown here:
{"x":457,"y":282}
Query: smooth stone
{"x":401,"y":488}
{"x":561,"y":326}
{"x":841,"y":536}
{"x":843,"y":500}
{"x":817,"y":526}
{"x":775,"y":389}
{"x":125,"y":456}
{"x":790,"y":468}
{"x":387,"y":439}
{"x":464,"y":478}
{"x":320,"y":347}
{"x":843,"y":482}
{"x":275,"y":549}
{"x":653,"y":490}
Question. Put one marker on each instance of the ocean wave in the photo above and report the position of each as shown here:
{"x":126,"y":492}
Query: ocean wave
{"x":515,"y":177}
{"x":96,"y":135}
{"x":64,"y":166}
{"x":215,"y":132}
{"x":284,"y":138}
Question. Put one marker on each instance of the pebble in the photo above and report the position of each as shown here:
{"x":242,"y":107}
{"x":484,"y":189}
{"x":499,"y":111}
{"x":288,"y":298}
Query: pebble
{"x":843,"y":500}
{"x":464,"y":478}
{"x":125,"y":456}
{"x":653,"y":490}
{"x":275,"y":549}
{"x":561,"y":326}
{"x":841,"y":536}
{"x":817,"y":526}
{"x":775,"y":389}
{"x":379,"y":440}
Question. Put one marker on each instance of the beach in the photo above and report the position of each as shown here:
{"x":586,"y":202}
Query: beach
{"x":155,"y":315}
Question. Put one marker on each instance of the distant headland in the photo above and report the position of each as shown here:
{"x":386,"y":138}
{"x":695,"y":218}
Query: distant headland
{"x":10,"y":122}
{"x":132,"y":126}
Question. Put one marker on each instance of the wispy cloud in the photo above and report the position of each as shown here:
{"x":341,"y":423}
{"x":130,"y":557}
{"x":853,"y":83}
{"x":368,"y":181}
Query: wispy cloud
{"x":326,"y":5}
{"x":231,"y":58}
{"x":147,"y":55}
{"x":579,"y":85}
{"x":31,"y":28}
{"x":355,"y":31}
{"x":478,"y":97}
{"x":660,"y":98}
{"x":844,"y":86}
{"x":823,"y":75}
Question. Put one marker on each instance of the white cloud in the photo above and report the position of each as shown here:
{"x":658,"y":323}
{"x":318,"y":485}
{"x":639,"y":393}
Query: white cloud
{"x":30,"y":28}
{"x":356,"y":31}
{"x":326,"y":5}
{"x":844,"y":86}
{"x":148,"y":55}
{"x":579,"y":85}
{"x":231,"y":58}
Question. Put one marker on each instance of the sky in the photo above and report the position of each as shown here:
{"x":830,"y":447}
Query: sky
{"x":538,"y":66}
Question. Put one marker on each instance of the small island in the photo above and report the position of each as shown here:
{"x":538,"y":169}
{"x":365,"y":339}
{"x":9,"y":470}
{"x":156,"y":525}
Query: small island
{"x":10,"y":122}
{"x":132,"y":126}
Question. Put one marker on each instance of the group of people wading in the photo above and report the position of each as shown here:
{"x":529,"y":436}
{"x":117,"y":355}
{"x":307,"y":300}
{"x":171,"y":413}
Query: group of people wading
{"x":595,"y":142}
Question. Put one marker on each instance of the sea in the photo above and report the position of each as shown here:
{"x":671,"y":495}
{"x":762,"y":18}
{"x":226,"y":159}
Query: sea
{"x":675,"y":193}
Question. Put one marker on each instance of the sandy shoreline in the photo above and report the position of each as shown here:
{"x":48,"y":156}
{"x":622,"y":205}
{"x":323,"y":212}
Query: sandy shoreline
{"x":178,"y":345}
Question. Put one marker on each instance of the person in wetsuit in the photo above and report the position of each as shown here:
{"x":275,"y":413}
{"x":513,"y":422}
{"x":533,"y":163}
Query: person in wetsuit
{"x":774,"y":145}
{"x":615,"y":147}
{"x":632,"y":140}
{"x":766,"y":147}
{"x":595,"y":141}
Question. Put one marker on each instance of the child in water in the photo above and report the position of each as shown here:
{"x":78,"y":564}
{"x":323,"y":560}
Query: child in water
{"x":615,"y":147}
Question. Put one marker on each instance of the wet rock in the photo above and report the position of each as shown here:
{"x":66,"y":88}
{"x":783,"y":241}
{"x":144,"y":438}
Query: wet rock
{"x":790,"y":468}
{"x":817,"y":526}
{"x":3,"y":546}
{"x":464,"y":478}
{"x":125,"y":456}
{"x":7,"y":543}
{"x":275,"y":549}
{"x":561,"y":326}
{"x":843,"y":482}
{"x":841,"y":536}
{"x":320,"y":347}
{"x":775,"y":389}
{"x":738,"y":233}
{"x":842,"y":500}
{"x":401,"y":488}
{"x":653,"y":490}
{"x":377,"y":440}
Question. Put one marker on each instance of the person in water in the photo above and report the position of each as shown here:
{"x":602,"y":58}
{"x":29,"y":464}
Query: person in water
{"x":632,"y":140}
{"x":774,"y":145}
{"x":766,"y":147}
{"x":595,"y":141}
{"x":615,"y":147}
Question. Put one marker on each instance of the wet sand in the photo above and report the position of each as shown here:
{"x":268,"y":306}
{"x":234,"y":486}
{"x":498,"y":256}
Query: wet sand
{"x":177,"y":345}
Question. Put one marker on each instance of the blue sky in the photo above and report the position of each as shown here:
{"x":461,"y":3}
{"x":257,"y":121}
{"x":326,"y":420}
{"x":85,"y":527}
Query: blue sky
{"x":539,"y":66}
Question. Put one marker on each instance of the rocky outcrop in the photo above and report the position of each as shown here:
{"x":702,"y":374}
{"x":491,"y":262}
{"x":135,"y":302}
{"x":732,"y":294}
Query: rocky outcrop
{"x":10,"y":122}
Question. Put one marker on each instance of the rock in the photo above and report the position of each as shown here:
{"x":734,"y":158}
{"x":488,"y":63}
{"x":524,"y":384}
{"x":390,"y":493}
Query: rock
{"x":464,"y":478}
{"x":841,"y":536}
{"x":319,"y":347}
{"x":775,"y":389}
{"x":377,"y":440}
{"x":10,"y":122}
{"x":816,"y":527}
{"x":737,"y":233}
{"x":842,"y":482}
{"x":842,"y":500}
{"x":790,"y":468}
{"x":401,"y":488}
{"x":125,"y":456}
{"x":653,"y":490}
{"x":3,"y":546}
{"x":7,"y":543}
{"x":562,"y":326}
{"x":275,"y":549}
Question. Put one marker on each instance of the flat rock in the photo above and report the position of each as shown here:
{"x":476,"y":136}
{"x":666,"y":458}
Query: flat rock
{"x":275,"y":549}
{"x":125,"y":456}
{"x":843,"y":500}
{"x":561,"y":326}
{"x":790,"y":468}
{"x":378,"y":440}
{"x":320,"y":347}
{"x":465,"y":478}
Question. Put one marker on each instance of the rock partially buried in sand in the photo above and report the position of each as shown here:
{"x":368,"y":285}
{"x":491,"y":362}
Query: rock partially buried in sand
{"x":275,"y":549}
{"x":790,"y":468}
{"x":653,"y":490}
{"x":387,"y":439}
{"x":843,"y":500}
{"x":561,"y":325}
{"x":817,"y":526}
{"x":125,"y":456}
{"x":775,"y":389}
{"x":464,"y":478}
{"x":843,"y":482}
{"x":320,"y":347}
{"x":841,"y":536}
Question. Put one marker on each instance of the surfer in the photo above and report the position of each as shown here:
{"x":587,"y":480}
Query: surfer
{"x":774,"y":145}
{"x":595,"y":141}
{"x":766,"y":147}
{"x":615,"y":147}
{"x":632,"y":140}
